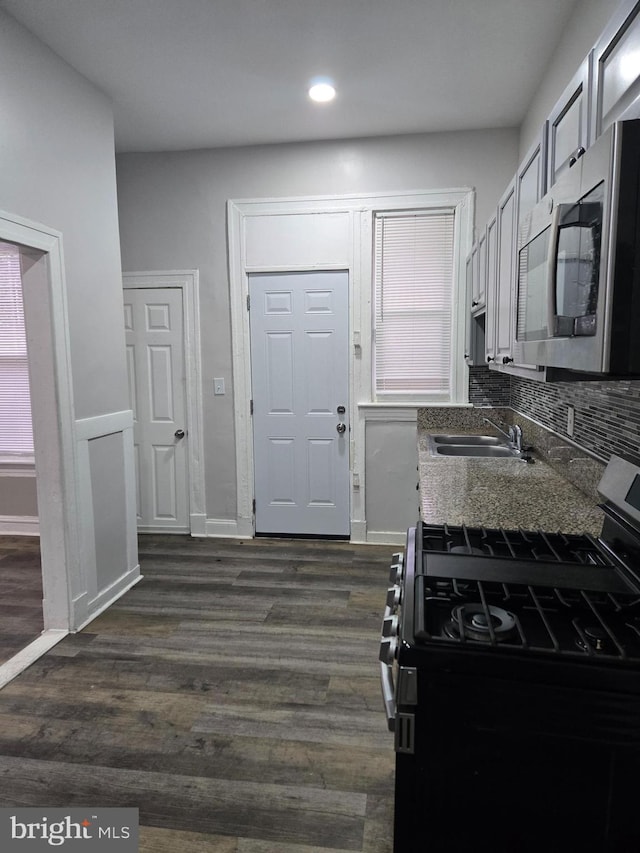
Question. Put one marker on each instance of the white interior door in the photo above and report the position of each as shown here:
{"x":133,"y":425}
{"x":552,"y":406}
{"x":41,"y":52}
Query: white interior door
{"x":300,"y":383}
{"x":155,"y":360}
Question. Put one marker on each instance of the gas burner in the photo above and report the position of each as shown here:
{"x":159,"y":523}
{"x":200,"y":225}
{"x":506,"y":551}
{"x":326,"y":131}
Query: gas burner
{"x":466,"y":549}
{"x":595,"y":640}
{"x":478,"y":622}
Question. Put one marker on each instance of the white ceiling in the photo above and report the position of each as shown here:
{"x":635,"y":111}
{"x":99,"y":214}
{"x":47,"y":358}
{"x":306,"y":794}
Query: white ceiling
{"x":208,"y":73}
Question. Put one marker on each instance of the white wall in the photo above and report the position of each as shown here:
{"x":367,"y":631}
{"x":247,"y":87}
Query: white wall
{"x":172,"y":216}
{"x":57,"y":168}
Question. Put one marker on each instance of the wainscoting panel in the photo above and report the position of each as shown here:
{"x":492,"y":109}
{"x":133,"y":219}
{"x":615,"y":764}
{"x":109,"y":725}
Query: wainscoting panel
{"x":106,"y":492}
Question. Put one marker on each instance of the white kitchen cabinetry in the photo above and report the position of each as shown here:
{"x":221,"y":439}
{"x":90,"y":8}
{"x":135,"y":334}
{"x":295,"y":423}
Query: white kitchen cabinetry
{"x":531,"y":178}
{"x":474,"y":345}
{"x":505,"y":258}
{"x":478,"y":300}
{"x":569,"y":125}
{"x":491,"y":243}
{"x":616,"y":70}
{"x":530,"y":187}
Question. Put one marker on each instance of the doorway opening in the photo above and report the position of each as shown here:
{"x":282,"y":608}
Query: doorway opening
{"x":21,"y":616}
{"x":39,"y":251}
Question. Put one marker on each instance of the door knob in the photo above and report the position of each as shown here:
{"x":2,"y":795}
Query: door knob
{"x":341,"y":428}
{"x":179,"y":433}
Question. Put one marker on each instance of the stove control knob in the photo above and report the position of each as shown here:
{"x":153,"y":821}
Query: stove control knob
{"x":390,"y":626}
{"x":394,"y":594}
{"x":395,"y":573}
{"x":388,"y":650}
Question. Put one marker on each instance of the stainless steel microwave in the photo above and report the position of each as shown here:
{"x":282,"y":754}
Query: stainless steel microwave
{"x":578,"y":286}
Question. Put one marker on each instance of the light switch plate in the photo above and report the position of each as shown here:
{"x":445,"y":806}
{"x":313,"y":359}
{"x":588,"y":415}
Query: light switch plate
{"x":218,"y":386}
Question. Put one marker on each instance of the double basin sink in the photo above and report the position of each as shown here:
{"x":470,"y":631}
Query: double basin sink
{"x":487,"y":446}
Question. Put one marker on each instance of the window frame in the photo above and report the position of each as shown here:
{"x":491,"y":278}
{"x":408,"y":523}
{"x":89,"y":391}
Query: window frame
{"x":18,"y":459}
{"x":394,"y":216}
{"x":462,"y":203}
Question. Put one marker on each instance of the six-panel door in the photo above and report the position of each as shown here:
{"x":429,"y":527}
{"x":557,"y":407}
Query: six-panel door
{"x":300,"y":379}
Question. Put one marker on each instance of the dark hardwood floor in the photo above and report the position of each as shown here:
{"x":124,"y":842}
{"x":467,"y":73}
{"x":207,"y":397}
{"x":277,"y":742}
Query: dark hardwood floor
{"x":20,"y":593}
{"x":232,"y":696}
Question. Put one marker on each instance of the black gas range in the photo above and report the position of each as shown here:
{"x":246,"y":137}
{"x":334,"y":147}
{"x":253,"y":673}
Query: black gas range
{"x":510,"y":666}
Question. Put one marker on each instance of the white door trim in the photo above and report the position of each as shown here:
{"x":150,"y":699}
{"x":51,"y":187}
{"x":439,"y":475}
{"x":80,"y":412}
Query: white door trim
{"x":52,"y":415}
{"x":356,"y":258}
{"x":188,"y":282}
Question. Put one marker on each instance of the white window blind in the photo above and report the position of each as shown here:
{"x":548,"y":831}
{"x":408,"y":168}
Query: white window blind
{"x":16,"y":436}
{"x":413,"y":275}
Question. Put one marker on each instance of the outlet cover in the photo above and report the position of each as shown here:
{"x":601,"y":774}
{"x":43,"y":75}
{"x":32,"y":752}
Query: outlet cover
{"x":218,"y":386}
{"x":570,"y":420}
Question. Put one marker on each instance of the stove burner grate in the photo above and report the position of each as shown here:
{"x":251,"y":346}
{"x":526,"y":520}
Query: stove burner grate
{"x":543,"y":619}
{"x":486,"y":623}
{"x":514,"y":544}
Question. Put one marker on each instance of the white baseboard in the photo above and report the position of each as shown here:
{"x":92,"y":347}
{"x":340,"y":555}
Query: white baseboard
{"x":19,"y":662}
{"x":228,"y":528}
{"x":198,"y":524}
{"x":19,"y":525}
{"x":375,"y":537}
{"x":106,"y":598}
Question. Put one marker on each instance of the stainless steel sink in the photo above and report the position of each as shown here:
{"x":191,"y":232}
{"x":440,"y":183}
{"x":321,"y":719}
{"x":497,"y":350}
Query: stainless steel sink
{"x":486,"y":446}
{"x":483,"y":440}
{"x":487,"y":451}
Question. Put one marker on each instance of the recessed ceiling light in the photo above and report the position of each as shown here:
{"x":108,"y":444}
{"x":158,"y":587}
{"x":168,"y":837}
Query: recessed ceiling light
{"x":322,"y":93}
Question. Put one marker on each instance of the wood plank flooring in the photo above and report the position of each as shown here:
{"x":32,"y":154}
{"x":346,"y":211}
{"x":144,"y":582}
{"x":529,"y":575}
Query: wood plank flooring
{"x":21,"y":619}
{"x":232,"y":696}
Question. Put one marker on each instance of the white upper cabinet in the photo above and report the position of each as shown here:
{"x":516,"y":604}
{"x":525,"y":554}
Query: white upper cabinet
{"x":569,"y":125}
{"x":491,"y":243}
{"x":505,"y":258}
{"x":480,"y":276}
{"x":531,"y":178}
{"x":616,"y":69}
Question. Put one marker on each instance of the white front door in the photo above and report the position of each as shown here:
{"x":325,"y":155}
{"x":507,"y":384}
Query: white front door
{"x":155,"y":361}
{"x":300,"y":383}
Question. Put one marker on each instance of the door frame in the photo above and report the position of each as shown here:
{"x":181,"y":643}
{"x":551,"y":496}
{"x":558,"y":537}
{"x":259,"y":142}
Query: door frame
{"x":188,"y":282}
{"x":239,"y":217}
{"x":348,"y":246}
{"x":54,"y":428}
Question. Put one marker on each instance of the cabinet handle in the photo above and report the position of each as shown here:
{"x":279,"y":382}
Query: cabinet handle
{"x":506,"y":359}
{"x":572,"y":161}
{"x":474,"y":303}
{"x":490,"y":358}
{"x":580,"y":152}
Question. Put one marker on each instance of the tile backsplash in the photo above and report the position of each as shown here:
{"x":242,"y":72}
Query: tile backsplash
{"x":488,"y":387}
{"x":607,"y":413}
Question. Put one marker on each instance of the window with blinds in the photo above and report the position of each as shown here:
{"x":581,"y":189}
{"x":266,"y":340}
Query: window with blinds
{"x":16,"y":436}
{"x":413,"y":282}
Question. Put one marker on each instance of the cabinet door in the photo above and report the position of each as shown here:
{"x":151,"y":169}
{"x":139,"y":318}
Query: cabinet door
{"x":492,"y":267}
{"x":468,"y":302}
{"x":569,"y":125}
{"x":531,"y":179}
{"x":505,"y":276}
{"x":480,"y":275}
{"x":616,"y":68}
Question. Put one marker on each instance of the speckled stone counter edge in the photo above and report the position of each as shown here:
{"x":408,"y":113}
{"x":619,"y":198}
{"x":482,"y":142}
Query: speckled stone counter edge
{"x":580,"y":468}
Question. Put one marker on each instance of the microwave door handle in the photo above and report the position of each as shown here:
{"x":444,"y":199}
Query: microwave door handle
{"x":552,"y":269}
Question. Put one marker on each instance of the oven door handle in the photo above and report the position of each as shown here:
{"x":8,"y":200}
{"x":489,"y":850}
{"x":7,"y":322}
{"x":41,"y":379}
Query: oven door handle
{"x":386,"y":681}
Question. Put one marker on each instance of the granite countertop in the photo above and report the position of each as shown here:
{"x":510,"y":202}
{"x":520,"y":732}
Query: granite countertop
{"x":496,"y":492}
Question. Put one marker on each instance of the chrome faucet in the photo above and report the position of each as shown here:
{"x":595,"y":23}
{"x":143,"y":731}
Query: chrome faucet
{"x":517,"y":437}
{"x":508,"y":435}
{"x":514,"y":434}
